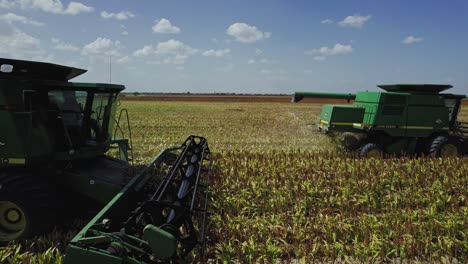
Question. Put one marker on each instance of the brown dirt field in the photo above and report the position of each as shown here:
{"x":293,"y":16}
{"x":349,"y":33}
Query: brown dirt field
{"x":226,"y":98}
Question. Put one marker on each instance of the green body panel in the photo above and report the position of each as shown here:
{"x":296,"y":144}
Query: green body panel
{"x":397,"y":119}
{"x":76,"y":255}
{"x":162,"y":243}
{"x":340,"y":117}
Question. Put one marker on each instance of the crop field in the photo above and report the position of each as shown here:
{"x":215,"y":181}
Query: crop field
{"x":283,"y":193}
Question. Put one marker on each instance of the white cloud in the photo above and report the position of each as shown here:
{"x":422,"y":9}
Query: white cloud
{"x":124,"y":60}
{"x":258,"y":51}
{"x":7,"y":4}
{"x":411,"y":40}
{"x":261,"y":61}
{"x":246,"y":33}
{"x":48,"y":6}
{"x":15,"y":43}
{"x":324,"y":52}
{"x":75,"y":8}
{"x":60,"y":45}
{"x":122,"y":15}
{"x":265,"y":71}
{"x":125,"y":33}
{"x":102,"y":47}
{"x":327,"y":21}
{"x":170,"y":52}
{"x":11,"y":18}
{"x":216,"y":53}
{"x":164,"y":26}
{"x":355,"y":21}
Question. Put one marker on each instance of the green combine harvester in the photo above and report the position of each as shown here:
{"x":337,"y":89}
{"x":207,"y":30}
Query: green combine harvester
{"x":54,"y":138}
{"x":406,"y":119}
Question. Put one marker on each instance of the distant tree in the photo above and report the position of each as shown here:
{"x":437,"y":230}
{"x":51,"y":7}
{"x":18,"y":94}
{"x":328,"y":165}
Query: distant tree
{"x":136,"y":93}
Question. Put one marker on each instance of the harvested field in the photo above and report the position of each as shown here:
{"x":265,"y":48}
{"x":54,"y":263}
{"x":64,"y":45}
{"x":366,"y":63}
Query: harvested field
{"x":282,"y":193}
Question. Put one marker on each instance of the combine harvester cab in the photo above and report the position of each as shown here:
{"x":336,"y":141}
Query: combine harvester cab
{"x":406,"y":119}
{"x":53,"y":155}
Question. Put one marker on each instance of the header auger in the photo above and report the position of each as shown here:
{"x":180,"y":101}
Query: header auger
{"x":53,"y":157}
{"x":406,"y":119}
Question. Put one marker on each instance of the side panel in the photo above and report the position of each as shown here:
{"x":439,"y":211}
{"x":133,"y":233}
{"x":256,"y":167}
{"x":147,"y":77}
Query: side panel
{"x":12,"y":152}
{"x":23,"y":136}
{"x":425,"y":120}
{"x":391,"y":115}
{"x":370,"y":101}
{"x":426,"y":114}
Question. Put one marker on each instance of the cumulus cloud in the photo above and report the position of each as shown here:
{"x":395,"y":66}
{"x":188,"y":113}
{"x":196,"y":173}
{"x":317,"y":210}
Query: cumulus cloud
{"x":258,"y":51}
{"x":122,"y":15}
{"x":324,"y":52}
{"x":16,"y":43}
{"x":216,"y":53}
{"x":125,"y":33}
{"x":355,"y":21}
{"x":48,"y":6}
{"x":246,"y":33}
{"x":11,"y":18}
{"x":102,"y":47}
{"x":164,"y":26}
{"x":412,"y":40}
{"x":326,"y":21}
{"x":60,"y":45}
{"x":170,"y":52}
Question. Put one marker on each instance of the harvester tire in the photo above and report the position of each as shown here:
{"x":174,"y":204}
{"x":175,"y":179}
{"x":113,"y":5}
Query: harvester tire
{"x":28,"y":206}
{"x":443,"y":147}
{"x":371,"y":150}
{"x":350,"y":141}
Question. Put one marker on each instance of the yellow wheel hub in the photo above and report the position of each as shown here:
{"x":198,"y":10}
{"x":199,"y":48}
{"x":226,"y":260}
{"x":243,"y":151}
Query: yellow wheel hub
{"x":12,"y":221}
{"x":449,"y":150}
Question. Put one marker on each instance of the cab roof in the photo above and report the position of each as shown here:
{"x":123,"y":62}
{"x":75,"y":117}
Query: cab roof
{"x":49,"y":74}
{"x":415,"y":88}
{"x":37,"y":70}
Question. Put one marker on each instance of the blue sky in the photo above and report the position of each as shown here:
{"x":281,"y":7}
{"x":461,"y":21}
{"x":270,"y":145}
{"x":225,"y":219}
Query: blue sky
{"x":244,"y":46}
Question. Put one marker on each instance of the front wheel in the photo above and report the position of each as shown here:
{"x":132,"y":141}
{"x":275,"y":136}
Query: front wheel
{"x":27,"y":206}
{"x":371,"y":150}
{"x":444,"y":147}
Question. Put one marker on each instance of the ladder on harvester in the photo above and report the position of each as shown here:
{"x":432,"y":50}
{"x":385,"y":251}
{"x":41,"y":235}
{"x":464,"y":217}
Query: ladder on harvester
{"x":122,"y":143}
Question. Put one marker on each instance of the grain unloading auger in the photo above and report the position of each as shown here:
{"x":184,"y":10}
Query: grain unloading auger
{"x":152,"y":220}
{"x":54,"y":139}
